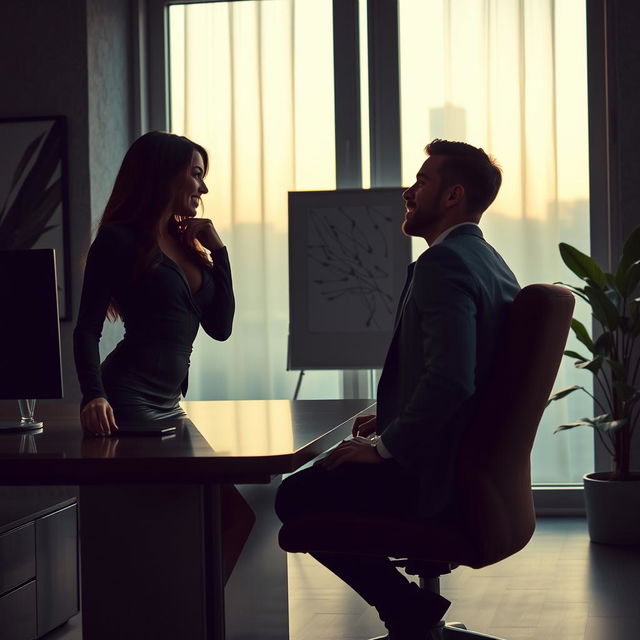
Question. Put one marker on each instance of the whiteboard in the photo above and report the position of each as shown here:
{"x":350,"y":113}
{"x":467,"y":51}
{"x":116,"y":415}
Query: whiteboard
{"x":348,"y":260}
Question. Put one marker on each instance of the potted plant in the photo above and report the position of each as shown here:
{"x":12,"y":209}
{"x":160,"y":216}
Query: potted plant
{"x":612,"y":499}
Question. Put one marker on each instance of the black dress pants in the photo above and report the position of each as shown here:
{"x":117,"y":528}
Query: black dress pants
{"x":384,"y":489}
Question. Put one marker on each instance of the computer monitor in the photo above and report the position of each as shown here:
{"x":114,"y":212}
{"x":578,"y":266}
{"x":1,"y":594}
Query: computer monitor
{"x":30,"y":361}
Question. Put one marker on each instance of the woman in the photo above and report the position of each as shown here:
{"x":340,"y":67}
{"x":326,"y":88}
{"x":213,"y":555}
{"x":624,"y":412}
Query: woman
{"x":149,"y":266}
{"x":165,"y":273}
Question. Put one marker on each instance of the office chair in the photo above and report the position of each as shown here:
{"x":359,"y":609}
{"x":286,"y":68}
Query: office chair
{"x":492,"y":514}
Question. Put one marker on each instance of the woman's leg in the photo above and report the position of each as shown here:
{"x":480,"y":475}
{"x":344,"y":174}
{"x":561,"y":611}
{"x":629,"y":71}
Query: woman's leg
{"x":237,"y":521}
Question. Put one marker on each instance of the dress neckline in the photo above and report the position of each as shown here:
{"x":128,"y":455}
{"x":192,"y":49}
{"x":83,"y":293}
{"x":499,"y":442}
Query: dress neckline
{"x":181,"y":272}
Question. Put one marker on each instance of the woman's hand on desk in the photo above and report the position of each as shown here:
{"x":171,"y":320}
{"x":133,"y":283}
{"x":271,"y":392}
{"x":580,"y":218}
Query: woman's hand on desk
{"x":364,"y":426}
{"x":97,"y":418}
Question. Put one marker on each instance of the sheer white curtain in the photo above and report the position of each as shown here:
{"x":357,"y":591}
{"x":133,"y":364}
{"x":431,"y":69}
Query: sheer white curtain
{"x":253,"y":82}
{"x":511,"y":76}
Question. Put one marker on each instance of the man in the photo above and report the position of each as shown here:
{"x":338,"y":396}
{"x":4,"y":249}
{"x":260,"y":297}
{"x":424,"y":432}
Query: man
{"x":448,"y":325}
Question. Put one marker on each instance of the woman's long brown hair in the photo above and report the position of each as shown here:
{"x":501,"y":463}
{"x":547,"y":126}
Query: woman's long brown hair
{"x":142,"y":191}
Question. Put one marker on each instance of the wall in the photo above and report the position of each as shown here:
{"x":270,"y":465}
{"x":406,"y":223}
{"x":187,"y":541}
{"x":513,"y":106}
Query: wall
{"x":624,"y":100}
{"x":46,"y":42}
{"x":69,"y":57}
{"x":110,"y":83}
{"x":614,"y":97}
{"x":109,"y":94}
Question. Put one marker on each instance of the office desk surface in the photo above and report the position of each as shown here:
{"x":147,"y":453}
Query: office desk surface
{"x":228,"y":441}
{"x":148,"y":503}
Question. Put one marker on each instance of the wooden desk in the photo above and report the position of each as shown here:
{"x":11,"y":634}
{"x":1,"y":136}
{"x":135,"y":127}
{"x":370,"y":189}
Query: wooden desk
{"x":149,"y":513}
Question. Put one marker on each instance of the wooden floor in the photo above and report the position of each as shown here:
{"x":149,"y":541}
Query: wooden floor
{"x":560,"y":587}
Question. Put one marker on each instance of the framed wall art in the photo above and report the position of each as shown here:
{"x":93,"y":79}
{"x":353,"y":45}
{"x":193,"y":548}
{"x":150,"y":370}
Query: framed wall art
{"x":348,"y":261}
{"x":34,"y":192}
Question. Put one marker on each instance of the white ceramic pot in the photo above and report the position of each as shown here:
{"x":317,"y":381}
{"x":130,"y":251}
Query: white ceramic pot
{"x":613,"y":509}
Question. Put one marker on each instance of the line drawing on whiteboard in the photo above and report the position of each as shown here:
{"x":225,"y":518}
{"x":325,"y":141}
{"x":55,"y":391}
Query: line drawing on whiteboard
{"x":350,"y":265}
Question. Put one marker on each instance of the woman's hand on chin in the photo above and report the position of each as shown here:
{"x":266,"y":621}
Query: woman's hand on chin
{"x":201,"y":229}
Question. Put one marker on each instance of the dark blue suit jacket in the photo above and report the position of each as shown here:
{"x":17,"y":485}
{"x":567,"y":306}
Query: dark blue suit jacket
{"x":448,"y":325}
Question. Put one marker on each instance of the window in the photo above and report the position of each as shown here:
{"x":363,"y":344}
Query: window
{"x":254,"y":82}
{"x":511,"y":77}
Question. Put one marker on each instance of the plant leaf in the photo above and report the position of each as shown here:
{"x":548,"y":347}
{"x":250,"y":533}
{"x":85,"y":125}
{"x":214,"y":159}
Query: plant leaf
{"x":630,"y":251}
{"x":37,"y":199}
{"x":612,"y":425}
{"x":577,"y":290}
{"x":591,"y":365}
{"x":612,"y":283}
{"x":603,"y":346}
{"x":51,"y":226}
{"x":603,"y":309}
{"x":617,"y":368}
{"x":20,"y":167}
{"x":563,"y":393}
{"x":24,"y":160}
{"x":576,"y":355}
{"x":599,"y":422}
{"x":611,"y":280}
{"x":572,"y":425}
{"x":36,"y":224}
{"x":625,"y":391}
{"x":628,"y":280}
{"x":635,"y":318}
{"x":582,"y":334}
{"x":582,"y":265}
{"x":613,"y":296}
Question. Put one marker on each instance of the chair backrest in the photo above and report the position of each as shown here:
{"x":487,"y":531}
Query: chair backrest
{"x":494,"y":501}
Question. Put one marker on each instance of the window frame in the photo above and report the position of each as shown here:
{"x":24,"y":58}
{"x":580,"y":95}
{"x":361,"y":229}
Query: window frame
{"x":151,"y":111}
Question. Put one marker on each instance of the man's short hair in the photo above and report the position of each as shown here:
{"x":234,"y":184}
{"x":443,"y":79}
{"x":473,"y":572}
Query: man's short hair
{"x":464,"y":164}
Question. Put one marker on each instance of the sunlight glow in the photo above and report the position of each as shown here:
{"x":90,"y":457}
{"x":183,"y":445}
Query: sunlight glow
{"x":255,"y":76}
{"x":252,"y":82}
{"x":495,"y":88}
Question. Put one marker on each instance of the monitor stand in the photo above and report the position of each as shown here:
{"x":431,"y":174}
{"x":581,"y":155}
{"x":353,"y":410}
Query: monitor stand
{"x":26,"y":421}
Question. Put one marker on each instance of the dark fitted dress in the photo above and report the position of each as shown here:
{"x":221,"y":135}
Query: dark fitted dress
{"x":145,"y":375}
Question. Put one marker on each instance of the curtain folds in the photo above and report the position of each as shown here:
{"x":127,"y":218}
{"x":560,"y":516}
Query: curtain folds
{"x":253,"y":82}
{"x":511,"y":76}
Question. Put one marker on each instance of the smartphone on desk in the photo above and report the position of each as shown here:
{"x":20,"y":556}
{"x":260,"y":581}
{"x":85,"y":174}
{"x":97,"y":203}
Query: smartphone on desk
{"x":157,"y":430}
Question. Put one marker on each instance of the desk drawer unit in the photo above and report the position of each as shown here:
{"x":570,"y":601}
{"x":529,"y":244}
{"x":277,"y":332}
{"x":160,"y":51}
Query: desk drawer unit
{"x":17,"y":557}
{"x":57,"y":568}
{"x":38,"y":572}
{"x":17,"y":584}
{"x":18,"y":613}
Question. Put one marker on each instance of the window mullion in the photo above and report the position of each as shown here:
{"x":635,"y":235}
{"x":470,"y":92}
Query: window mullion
{"x":346,"y":73}
{"x":157,"y":68}
{"x":384,"y":93}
